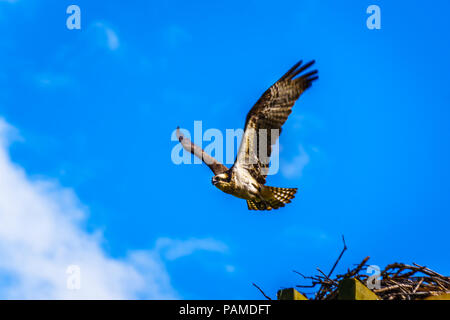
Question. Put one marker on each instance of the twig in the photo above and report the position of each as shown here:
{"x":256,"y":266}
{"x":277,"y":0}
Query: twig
{"x":304,"y":277}
{"x":358,"y":268}
{"x":339,"y":258}
{"x":418,"y":285}
{"x":327,"y":277}
{"x":266,"y":296}
{"x":320,"y":292}
{"x":307,"y":286}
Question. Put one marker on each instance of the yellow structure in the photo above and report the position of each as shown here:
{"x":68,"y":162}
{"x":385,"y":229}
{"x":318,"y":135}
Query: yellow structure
{"x":440,"y":297}
{"x":348,"y":289}
{"x":290,"y":294}
{"x":353,"y":289}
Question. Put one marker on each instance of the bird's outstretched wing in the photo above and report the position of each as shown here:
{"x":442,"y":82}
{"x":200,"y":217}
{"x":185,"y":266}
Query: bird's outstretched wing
{"x":189,"y":146}
{"x":264,"y":121}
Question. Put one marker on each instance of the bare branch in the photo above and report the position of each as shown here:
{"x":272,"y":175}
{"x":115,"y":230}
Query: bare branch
{"x":266,"y":296}
{"x":339,"y":258}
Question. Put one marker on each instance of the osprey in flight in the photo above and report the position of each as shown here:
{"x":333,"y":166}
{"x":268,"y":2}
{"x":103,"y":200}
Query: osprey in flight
{"x":247,"y":177}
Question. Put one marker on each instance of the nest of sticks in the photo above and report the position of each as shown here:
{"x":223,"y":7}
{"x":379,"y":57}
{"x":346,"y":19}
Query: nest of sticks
{"x":397,"y":281}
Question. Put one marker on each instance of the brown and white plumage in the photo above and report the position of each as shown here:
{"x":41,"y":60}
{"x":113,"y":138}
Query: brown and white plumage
{"x":247,"y":177}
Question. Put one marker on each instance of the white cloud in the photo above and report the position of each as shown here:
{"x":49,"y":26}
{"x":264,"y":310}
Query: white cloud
{"x":112,"y":39}
{"x":41,"y":236}
{"x":308,"y":233}
{"x":47,"y":80}
{"x":107,"y":36}
{"x":175,"y":36}
{"x":173,"y":249}
{"x":295,"y":167}
{"x":230,"y":268}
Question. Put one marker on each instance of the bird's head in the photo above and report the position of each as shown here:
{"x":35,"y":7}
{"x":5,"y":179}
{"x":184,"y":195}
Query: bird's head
{"x":222,"y":180}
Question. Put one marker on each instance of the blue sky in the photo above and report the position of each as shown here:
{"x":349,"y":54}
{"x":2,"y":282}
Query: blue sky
{"x":87,"y":115}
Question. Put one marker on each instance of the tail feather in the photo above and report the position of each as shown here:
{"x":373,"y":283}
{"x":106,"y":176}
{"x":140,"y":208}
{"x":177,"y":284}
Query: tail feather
{"x":273,"y":198}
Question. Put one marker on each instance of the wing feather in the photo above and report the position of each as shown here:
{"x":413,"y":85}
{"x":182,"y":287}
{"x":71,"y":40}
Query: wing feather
{"x":189,"y":146}
{"x":264,"y":121}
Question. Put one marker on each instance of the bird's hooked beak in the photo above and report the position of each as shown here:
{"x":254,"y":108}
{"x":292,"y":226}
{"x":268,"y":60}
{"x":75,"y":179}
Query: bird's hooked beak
{"x":214,"y":181}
